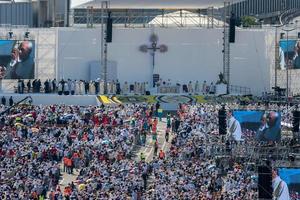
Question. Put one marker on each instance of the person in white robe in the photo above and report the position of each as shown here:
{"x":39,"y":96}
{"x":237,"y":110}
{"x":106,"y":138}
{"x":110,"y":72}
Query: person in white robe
{"x":233,"y":127}
{"x":72,"y":87}
{"x":190,"y":87}
{"x":280,"y":188}
{"x":197,"y":87}
{"x":92,"y":89}
{"x":101,"y":87}
{"x":82,"y":88}
{"x":146,"y":87}
{"x":138,"y":88}
{"x":60,"y":88}
{"x":66,"y":88}
{"x":125,"y":88}
{"x":77,"y":87}
{"x":114,"y":87}
{"x":135,"y":88}
{"x":204,"y":87}
{"x":143,"y":88}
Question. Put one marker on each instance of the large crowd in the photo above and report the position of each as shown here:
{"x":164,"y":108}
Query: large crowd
{"x":38,"y":142}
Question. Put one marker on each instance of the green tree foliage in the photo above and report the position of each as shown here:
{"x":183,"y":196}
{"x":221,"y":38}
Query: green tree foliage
{"x":248,"y":21}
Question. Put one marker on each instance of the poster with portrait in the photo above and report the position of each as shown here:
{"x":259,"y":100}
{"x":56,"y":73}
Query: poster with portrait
{"x":289,"y":53}
{"x":17,"y":59}
{"x":292,"y":178}
{"x":264,"y":126}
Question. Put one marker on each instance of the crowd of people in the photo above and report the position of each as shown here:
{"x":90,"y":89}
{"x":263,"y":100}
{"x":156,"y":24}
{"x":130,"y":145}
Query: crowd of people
{"x":36,"y":142}
{"x":82,"y":87}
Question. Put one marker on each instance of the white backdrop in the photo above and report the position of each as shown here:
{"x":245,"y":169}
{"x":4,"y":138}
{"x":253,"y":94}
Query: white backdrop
{"x":193,"y":54}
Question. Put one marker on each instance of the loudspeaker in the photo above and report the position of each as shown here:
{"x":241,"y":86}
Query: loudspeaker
{"x":298,"y":35}
{"x":296,"y":120}
{"x":109,"y":25}
{"x":232,"y":23}
{"x":222,"y":121}
{"x":265,"y":190}
{"x":282,"y":35}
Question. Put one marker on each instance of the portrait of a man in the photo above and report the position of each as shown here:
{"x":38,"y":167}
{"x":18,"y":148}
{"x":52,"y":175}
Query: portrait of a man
{"x":20,"y":63}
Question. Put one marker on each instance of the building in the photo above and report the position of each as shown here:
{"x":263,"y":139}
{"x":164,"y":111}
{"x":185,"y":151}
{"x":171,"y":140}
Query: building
{"x":35,"y":13}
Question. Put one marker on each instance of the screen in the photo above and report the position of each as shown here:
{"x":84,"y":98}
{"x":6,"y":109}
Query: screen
{"x":261,"y":125}
{"x":17,"y":59}
{"x":292,"y":178}
{"x":289,"y":50}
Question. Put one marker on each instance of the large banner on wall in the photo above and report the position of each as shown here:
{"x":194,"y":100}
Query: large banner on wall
{"x":17,"y":59}
{"x":289,"y":53}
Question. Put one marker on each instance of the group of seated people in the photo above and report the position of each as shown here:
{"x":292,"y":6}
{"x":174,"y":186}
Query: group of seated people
{"x":36,"y":141}
{"x":82,"y":87}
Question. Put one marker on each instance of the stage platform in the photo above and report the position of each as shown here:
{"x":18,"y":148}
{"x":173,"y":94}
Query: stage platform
{"x":50,"y":99}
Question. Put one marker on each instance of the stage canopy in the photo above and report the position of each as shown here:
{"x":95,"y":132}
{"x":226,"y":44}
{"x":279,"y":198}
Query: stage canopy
{"x":157,"y":4}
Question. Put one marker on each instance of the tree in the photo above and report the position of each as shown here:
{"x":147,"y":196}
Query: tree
{"x":248,"y":21}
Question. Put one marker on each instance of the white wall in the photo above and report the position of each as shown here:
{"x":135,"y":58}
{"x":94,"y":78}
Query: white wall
{"x":76,"y":49}
{"x":194,"y":54}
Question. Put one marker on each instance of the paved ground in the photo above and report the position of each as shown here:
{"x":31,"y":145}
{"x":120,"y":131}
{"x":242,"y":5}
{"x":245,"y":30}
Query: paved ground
{"x":148,"y":149}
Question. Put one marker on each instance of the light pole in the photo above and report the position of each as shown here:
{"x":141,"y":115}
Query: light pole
{"x":287,"y":60}
{"x":276,"y":54}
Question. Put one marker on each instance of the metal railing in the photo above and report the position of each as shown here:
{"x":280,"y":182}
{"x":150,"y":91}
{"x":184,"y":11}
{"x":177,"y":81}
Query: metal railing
{"x":234,"y":89}
{"x":150,"y":19}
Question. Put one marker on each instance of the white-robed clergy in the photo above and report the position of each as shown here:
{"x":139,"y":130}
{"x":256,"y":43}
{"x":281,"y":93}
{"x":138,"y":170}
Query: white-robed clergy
{"x":233,"y":127}
{"x":92,"y":89}
{"x":72,"y":87}
{"x":101,"y":87}
{"x":77,"y":87}
{"x":190,"y":87}
{"x":114,"y":87}
{"x":125,"y":88}
{"x":82,"y":89}
{"x":280,"y":188}
{"x":197,"y":87}
{"x":143,"y":88}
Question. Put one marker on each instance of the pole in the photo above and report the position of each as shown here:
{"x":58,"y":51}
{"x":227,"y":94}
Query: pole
{"x":287,"y":65}
{"x":276,"y":57}
{"x":104,"y":6}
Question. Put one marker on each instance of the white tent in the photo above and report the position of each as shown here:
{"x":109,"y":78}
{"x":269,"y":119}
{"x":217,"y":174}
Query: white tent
{"x":185,"y":18}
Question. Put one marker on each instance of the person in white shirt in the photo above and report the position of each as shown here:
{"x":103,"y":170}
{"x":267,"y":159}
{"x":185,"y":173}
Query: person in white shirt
{"x":280,"y":188}
{"x":233,"y":127}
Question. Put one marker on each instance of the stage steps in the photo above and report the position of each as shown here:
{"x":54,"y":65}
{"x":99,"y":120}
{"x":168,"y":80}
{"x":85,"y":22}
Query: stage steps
{"x":108,"y":100}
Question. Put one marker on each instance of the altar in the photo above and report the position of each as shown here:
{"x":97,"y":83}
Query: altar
{"x":221,"y":89}
{"x":168,"y":89}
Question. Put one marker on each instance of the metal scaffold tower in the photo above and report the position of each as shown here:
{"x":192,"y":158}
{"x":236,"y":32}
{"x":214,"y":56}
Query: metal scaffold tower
{"x":226,"y":45}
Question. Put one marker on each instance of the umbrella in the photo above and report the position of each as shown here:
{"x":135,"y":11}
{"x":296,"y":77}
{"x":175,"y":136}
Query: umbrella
{"x":18,"y":124}
{"x":81,"y":186}
{"x":34,"y":130}
{"x":105,"y":142}
{"x":18,"y":118}
{"x":29,"y":115}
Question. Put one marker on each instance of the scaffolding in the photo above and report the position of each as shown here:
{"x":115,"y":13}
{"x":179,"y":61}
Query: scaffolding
{"x":226,"y":45}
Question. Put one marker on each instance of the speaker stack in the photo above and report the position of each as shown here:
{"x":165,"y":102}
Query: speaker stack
{"x":222,"y":121}
{"x":296,"y":120}
{"x":265,"y":190}
{"x":232,"y":23}
{"x":109,"y":25}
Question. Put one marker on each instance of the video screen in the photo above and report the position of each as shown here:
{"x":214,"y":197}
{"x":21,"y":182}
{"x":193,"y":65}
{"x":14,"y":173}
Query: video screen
{"x":289,"y":53}
{"x":264,"y":126}
{"x":17,"y":59}
{"x":292,"y":178}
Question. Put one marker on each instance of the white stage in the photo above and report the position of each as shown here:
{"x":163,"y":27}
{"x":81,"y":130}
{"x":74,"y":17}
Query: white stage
{"x":194,"y":54}
{"x":51,"y":99}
